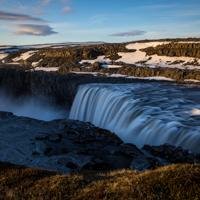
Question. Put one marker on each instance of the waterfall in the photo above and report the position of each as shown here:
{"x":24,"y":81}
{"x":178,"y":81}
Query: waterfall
{"x":142,"y":114}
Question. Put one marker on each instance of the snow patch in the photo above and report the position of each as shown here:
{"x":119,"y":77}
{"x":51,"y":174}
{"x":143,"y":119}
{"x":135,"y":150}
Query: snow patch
{"x":91,"y":73}
{"x":3,"y":55}
{"x":35,"y":64}
{"x":192,"y":80}
{"x":158,"y":78}
{"x":118,"y":75}
{"x":24,"y":56}
{"x":46,"y":69}
{"x":139,"y":58}
{"x":138,"y":46}
{"x":100,"y":59}
{"x":132,"y":58}
{"x":111,"y":66}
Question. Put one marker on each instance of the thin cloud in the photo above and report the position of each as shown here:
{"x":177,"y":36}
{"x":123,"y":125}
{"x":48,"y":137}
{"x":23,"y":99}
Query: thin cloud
{"x":8,"y":16}
{"x":67,"y":9}
{"x":129,"y":34}
{"x":45,"y":2}
{"x":158,"y":6}
{"x":35,"y":30}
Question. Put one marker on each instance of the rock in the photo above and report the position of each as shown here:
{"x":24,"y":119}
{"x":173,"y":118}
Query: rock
{"x":69,"y":145}
{"x":96,"y":66}
{"x":142,"y":163}
{"x":78,"y":141}
{"x":97,"y":165}
{"x":172,"y":154}
{"x":55,"y":138}
{"x":41,"y":148}
{"x":75,"y":161}
{"x":131,"y":150}
{"x":61,"y":88}
{"x":41,"y":136}
{"x":4,"y":115}
{"x":86,"y":147}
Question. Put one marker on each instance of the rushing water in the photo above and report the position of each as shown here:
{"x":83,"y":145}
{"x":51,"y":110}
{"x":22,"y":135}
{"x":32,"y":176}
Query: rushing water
{"x":149,"y":113}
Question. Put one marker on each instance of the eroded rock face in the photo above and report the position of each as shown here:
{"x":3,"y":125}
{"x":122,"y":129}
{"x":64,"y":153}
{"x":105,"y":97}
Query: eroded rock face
{"x":60,"y":88}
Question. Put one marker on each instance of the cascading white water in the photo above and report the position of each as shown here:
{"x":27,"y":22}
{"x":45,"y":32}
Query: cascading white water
{"x":141,"y":114}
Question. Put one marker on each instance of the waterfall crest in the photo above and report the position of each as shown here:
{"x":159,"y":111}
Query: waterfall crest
{"x":141,"y":114}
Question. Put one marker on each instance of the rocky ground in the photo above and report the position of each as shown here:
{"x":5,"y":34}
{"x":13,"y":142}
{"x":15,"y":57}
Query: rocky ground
{"x":73,"y":146}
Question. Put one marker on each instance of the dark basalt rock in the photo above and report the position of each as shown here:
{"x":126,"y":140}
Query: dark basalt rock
{"x":60,"y":89}
{"x":172,"y":154}
{"x":72,"y":146}
{"x":176,"y":49}
{"x":142,"y":163}
{"x":68,"y":58}
{"x":85,"y":147}
{"x":5,"y":115}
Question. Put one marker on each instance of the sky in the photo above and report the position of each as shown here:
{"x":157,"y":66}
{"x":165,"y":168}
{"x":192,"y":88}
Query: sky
{"x":55,"y":21}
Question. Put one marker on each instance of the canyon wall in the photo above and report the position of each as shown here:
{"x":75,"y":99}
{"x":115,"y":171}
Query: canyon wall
{"x":60,"y":89}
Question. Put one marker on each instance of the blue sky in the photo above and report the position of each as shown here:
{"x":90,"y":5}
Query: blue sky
{"x":45,"y":21}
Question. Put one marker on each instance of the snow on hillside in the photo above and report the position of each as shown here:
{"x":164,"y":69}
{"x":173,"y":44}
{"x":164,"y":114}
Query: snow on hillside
{"x":192,"y":80}
{"x":100,"y":59}
{"x":106,"y":62}
{"x":46,"y":69}
{"x":140,"y":58}
{"x":24,"y":56}
{"x":3,"y":55}
{"x":35,"y":64}
{"x":111,"y":66}
{"x":138,"y":46}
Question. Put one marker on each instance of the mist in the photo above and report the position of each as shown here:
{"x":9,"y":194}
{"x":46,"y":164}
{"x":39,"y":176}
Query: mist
{"x":33,"y":107}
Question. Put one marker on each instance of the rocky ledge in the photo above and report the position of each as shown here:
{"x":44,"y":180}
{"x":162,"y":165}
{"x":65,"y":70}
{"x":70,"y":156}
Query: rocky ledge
{"x":73,"y":146}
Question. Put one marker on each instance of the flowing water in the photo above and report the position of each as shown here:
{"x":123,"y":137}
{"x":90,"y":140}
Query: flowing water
{"x":148,"y":113}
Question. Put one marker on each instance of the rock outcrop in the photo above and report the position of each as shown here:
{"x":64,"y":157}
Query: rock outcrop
{"x":73,"y":146}
{"x":177,"y":49}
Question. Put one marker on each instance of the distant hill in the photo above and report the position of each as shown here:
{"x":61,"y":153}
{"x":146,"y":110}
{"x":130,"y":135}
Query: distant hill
{"x":179,"y":55}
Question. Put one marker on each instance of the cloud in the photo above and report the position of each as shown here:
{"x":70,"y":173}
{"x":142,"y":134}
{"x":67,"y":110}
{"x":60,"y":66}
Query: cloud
{"x":7,"y":16}
{"x":35,"y":30}
{"x":129,"y":34}
{"x":45,"y":2}
{"x":67,"y":9}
